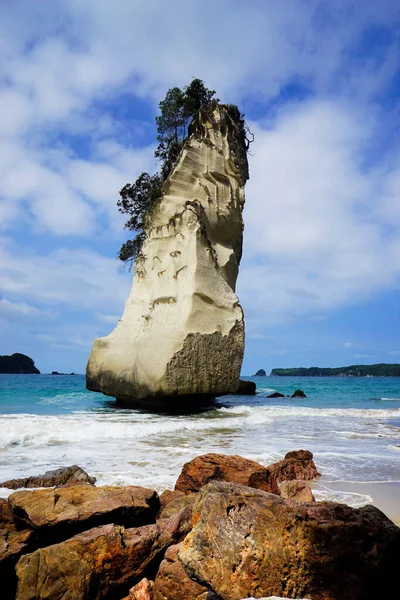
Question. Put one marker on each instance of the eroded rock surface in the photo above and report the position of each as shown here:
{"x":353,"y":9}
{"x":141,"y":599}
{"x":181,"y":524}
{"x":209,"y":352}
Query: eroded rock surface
{"x":202,"y":469}
{"x":172,"y":583}
{"x":56,"y":514}
{"x":297,"y":490}
{"x":13,"y":544}
{"x":246,"y":542}
{"x":297,"y":464}
{"x":73,"y":475}
{"x":98,"y":563}
{"x":181,"y":336}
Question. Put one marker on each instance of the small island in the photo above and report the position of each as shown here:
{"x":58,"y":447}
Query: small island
{"x":260,"y":373}
{"x":380,"y":370}
{"x":17,"y":364}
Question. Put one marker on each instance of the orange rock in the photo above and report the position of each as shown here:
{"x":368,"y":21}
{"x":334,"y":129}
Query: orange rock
{"x":142,"y":590}
{"x":249,"y":543}
{"x":172,"y":583}
{"x":57,"y":514}
{"x":13,"y":544}
{"x":297,"y":464}
{"x":297,"y":490}
{"x":202,"y":469}
{"x":98,"y":563}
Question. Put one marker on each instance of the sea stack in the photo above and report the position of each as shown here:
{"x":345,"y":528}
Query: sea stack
{"x":181,"y":337}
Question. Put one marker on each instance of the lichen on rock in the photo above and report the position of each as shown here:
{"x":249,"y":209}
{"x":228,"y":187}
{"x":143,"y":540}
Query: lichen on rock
{"x":181,"y":336}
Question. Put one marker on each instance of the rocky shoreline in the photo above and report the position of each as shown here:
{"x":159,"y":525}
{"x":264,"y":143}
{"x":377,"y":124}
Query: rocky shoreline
{"x":231,"y":529}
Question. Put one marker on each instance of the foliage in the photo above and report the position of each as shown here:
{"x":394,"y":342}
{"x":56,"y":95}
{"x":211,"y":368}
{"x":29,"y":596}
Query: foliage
{"x":137,"y":199}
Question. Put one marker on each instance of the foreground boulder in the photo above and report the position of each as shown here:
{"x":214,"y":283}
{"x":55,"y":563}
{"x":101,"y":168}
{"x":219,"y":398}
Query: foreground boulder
{"x":249,"y":543}
{"x":56,"y":514}
{"x":91,"y":565}
{"x":298,"y":464}
{"x":73,"y":475}
{"x":13,"y":544}
{"x":183,"y":308}
{"x":202,"y":469}
{"x":172,"y":583}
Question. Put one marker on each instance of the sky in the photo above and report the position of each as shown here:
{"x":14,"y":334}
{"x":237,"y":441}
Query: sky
{"x":319,"y":83}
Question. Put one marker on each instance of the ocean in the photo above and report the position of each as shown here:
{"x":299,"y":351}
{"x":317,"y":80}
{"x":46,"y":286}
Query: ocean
{"x":352,"y":425}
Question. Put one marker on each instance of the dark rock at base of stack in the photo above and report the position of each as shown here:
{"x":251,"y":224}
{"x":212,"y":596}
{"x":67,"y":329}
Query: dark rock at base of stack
{"x":73,"y":475}
{"x":202,"y":469}
{"x":276,"y":395}
{"x":298,"y":464}
{"x":246,"y":542}
{"x":246,"y":388}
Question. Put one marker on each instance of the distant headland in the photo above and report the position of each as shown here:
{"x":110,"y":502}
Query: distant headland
{"x":380,"y":370}
{"x":17,"y":364}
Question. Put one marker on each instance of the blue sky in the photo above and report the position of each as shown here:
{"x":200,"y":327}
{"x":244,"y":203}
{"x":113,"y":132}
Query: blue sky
{"x":319,"y":82}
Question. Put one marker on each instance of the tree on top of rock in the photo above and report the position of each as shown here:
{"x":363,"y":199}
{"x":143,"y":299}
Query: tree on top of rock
{"x":137,"y":199}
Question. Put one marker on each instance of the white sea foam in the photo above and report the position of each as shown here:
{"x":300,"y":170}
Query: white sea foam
{"x":127,"y":447}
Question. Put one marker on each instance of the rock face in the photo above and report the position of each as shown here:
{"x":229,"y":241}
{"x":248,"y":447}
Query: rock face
{"x":65,"y":476}
{"x":181,"y":335}
{"x":202,"y":469}
{"x":172,"y":583}
{"x":246,"y":542}
{"x":18,"y":364}
{"x":297,"y":490}
{"x":90,"y":565}
{"x":56,"y":514}
{"x":246,"y":388}
{"x":298,"y":464}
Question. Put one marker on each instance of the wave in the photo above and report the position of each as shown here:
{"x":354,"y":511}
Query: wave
{"x":390,"y":399}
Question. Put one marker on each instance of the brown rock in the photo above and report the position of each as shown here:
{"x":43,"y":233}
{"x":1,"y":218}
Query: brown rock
{"x":5,"y":512}
{"x":65,"y":476}
{"x":297,"y":490}
{"x":13,"y":544}
{"x":249,"y":543}
{"x":90,"y":565}
{"x":202,"y":469}
{"x":172,"y":583}
{"x":57,"y":514}
{"x":167,"y":496}
{"x":297,"y":464}
{"x":142,"y":590}
{"x":176,"y":505}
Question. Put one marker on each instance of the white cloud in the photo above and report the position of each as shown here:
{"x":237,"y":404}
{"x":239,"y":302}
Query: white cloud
{"x":67,"y":279}
{"x":315,"y":230}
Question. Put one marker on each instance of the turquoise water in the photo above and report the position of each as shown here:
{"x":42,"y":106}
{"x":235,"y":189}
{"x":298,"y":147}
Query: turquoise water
{"x":352,"y":425}
{"x":62,"y":394}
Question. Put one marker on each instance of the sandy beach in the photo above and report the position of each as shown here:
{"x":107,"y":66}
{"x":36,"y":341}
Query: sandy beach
{"x":383,"y":495}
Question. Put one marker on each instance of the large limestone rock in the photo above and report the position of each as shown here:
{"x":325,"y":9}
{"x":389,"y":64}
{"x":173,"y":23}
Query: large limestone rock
{"x":182,"y":335}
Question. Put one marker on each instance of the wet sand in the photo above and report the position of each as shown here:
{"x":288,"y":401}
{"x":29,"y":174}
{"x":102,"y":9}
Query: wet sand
{"x":385,"y":496}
